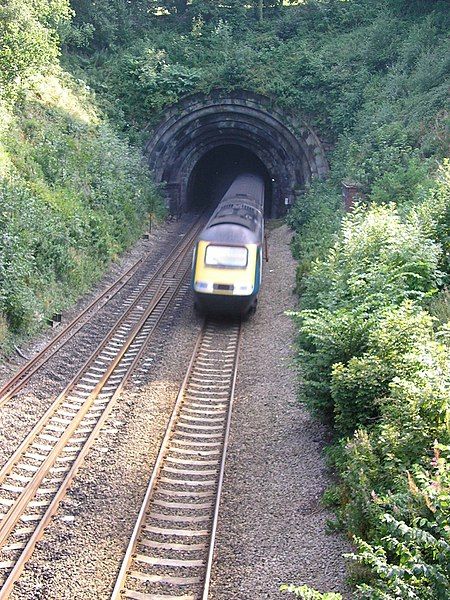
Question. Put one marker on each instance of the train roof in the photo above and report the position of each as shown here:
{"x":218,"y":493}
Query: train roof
{"x":231,"y":233}
{"x":249,"y":188}
{"x":235,"y":211}
{"x":242,"y":204}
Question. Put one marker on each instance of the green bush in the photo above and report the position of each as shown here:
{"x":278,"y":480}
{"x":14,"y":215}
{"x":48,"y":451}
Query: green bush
{"x":73,"y":196}
{"x":392,"y":351}
{"x":315,"y":218}
{"x":29,"y":32}
{"x":376,"y":262}
{"x":307,"y":593}
{"x":377,"y":259}
{"x":433,"y":213}
{"x":412,"y":414}
{"x":327,"y":337}
{"x":413,"y":560}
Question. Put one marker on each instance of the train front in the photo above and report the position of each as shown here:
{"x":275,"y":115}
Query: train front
{"x":228,"y":255}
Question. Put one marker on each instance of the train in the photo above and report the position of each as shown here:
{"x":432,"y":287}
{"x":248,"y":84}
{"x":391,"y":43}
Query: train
{"x":228,"y":254}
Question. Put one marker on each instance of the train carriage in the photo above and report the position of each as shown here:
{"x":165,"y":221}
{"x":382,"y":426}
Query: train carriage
{"x":227,"y":264}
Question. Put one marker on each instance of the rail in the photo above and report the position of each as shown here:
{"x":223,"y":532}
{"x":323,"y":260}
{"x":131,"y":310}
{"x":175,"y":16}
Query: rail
{"x":171,"y":549}
{"x":36,"y":477}
{"x":18,"y":381}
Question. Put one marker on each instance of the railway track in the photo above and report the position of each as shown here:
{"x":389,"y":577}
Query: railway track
{"x":36,"y":477}
{"x":19,"y":380}
{"x":171,"y":549}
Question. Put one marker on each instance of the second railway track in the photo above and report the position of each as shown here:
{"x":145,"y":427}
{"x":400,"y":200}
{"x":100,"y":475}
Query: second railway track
{"x":170,"y":553}
{"x":36,"y":477}
{"x":130,"y":283}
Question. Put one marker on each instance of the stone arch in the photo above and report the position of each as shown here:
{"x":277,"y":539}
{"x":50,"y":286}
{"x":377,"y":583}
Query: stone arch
{"x":287,"y":146}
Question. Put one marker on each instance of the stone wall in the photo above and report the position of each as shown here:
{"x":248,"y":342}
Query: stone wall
{"x":290,"y":150}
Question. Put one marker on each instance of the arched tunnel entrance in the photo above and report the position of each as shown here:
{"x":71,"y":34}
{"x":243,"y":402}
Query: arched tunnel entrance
{"x":202,"y":141}
{"x":216,"y":170}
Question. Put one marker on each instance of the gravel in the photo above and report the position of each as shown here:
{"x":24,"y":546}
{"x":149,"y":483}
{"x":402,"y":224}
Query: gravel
{"x":81,"y":553}
{"x":272,"y":525}
{"x":20,"y":413}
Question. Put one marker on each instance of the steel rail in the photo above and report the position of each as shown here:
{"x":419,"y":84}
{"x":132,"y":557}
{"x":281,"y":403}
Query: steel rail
{"x":168,"y":287}
{"x":16,"y":383}
{"x":59,"y":496}
{"x":221,"y":475}
{"x":14,"y":513}
{"x":4,"y":471}
{"x":50,"y":411}
{"x":131,"y":549}
{"x":120,"y":590}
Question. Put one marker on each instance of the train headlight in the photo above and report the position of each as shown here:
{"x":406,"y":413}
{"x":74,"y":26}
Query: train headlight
{"x":243,"y":289}
{"x":201,"y":286}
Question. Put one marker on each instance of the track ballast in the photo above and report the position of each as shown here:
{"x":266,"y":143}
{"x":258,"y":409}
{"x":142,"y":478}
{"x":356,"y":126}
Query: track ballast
{"x":170,"y":553}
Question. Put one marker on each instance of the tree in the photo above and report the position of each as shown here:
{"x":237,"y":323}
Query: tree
{"x":29,"y":30}
{"x":260,"y":10}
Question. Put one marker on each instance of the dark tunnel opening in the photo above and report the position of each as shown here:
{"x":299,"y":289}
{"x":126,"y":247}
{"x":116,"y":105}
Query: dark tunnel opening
{"x":216,"y":170}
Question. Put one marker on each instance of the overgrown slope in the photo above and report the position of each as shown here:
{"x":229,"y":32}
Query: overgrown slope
{"x":372,"y":76}
{"x":73,"y":193}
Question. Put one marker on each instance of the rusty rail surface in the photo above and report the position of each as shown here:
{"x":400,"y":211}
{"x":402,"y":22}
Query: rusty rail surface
{"x":36,"y":477}
{"x":170,"y":553}
{"x":17,"y":382}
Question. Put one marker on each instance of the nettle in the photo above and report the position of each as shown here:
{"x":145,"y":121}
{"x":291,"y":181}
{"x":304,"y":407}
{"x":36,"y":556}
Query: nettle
{"x":412,"y":560}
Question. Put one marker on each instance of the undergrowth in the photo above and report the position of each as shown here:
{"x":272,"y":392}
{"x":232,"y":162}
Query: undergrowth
{"x":73,"y":192}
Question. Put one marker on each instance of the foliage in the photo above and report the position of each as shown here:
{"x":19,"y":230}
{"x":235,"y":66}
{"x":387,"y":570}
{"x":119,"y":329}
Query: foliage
{"x":433,"y":212}
{"x":396,"y":342}
{"x":106,"y":23}
{"x":307,"y":593}
{"x":377,"y":262}
{"x":73,"y":195}
{"x":371,"y":77}
{"x":377,"y":258}
{"x":413,"y":561}
{"x":29,"y":32}
{"x":314,"y":217}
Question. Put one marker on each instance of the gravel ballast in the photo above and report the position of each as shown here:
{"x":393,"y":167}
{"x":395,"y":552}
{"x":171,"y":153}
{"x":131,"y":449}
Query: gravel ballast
{"x":272,"y":525}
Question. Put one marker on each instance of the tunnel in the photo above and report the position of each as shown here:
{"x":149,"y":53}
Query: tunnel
{"x":215,"y":171}
{"x":203,"y":142}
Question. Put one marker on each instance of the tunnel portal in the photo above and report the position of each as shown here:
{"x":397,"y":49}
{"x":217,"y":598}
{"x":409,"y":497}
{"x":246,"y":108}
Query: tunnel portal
{"x":215,"y":171}
{"x":204,"y":142}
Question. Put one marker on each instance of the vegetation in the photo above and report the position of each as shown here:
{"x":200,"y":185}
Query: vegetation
{"x":371,"y":76}
{"x":73,"y":194}
{"x":373,"y":344}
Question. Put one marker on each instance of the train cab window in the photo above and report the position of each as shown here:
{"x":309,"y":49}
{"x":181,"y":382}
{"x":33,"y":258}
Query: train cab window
{"x":226,"y":256}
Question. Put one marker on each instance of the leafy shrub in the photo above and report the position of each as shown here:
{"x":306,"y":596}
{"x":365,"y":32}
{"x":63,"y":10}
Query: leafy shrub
{"x":433,"y":213}
{"x":307,"y":593}
{"x":315,"y":217}
{"x":403,"y":185}
{"x":377,"y":259}
{"x":392,"y":351}
{"x":413,"y":561}
{"x":73,"y":196}
{"x":439,"y":306}
{"x":325,"y":338}
{"x":376,"y":262}
{"x":29,"y":34}
{"x":412,"y":414}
